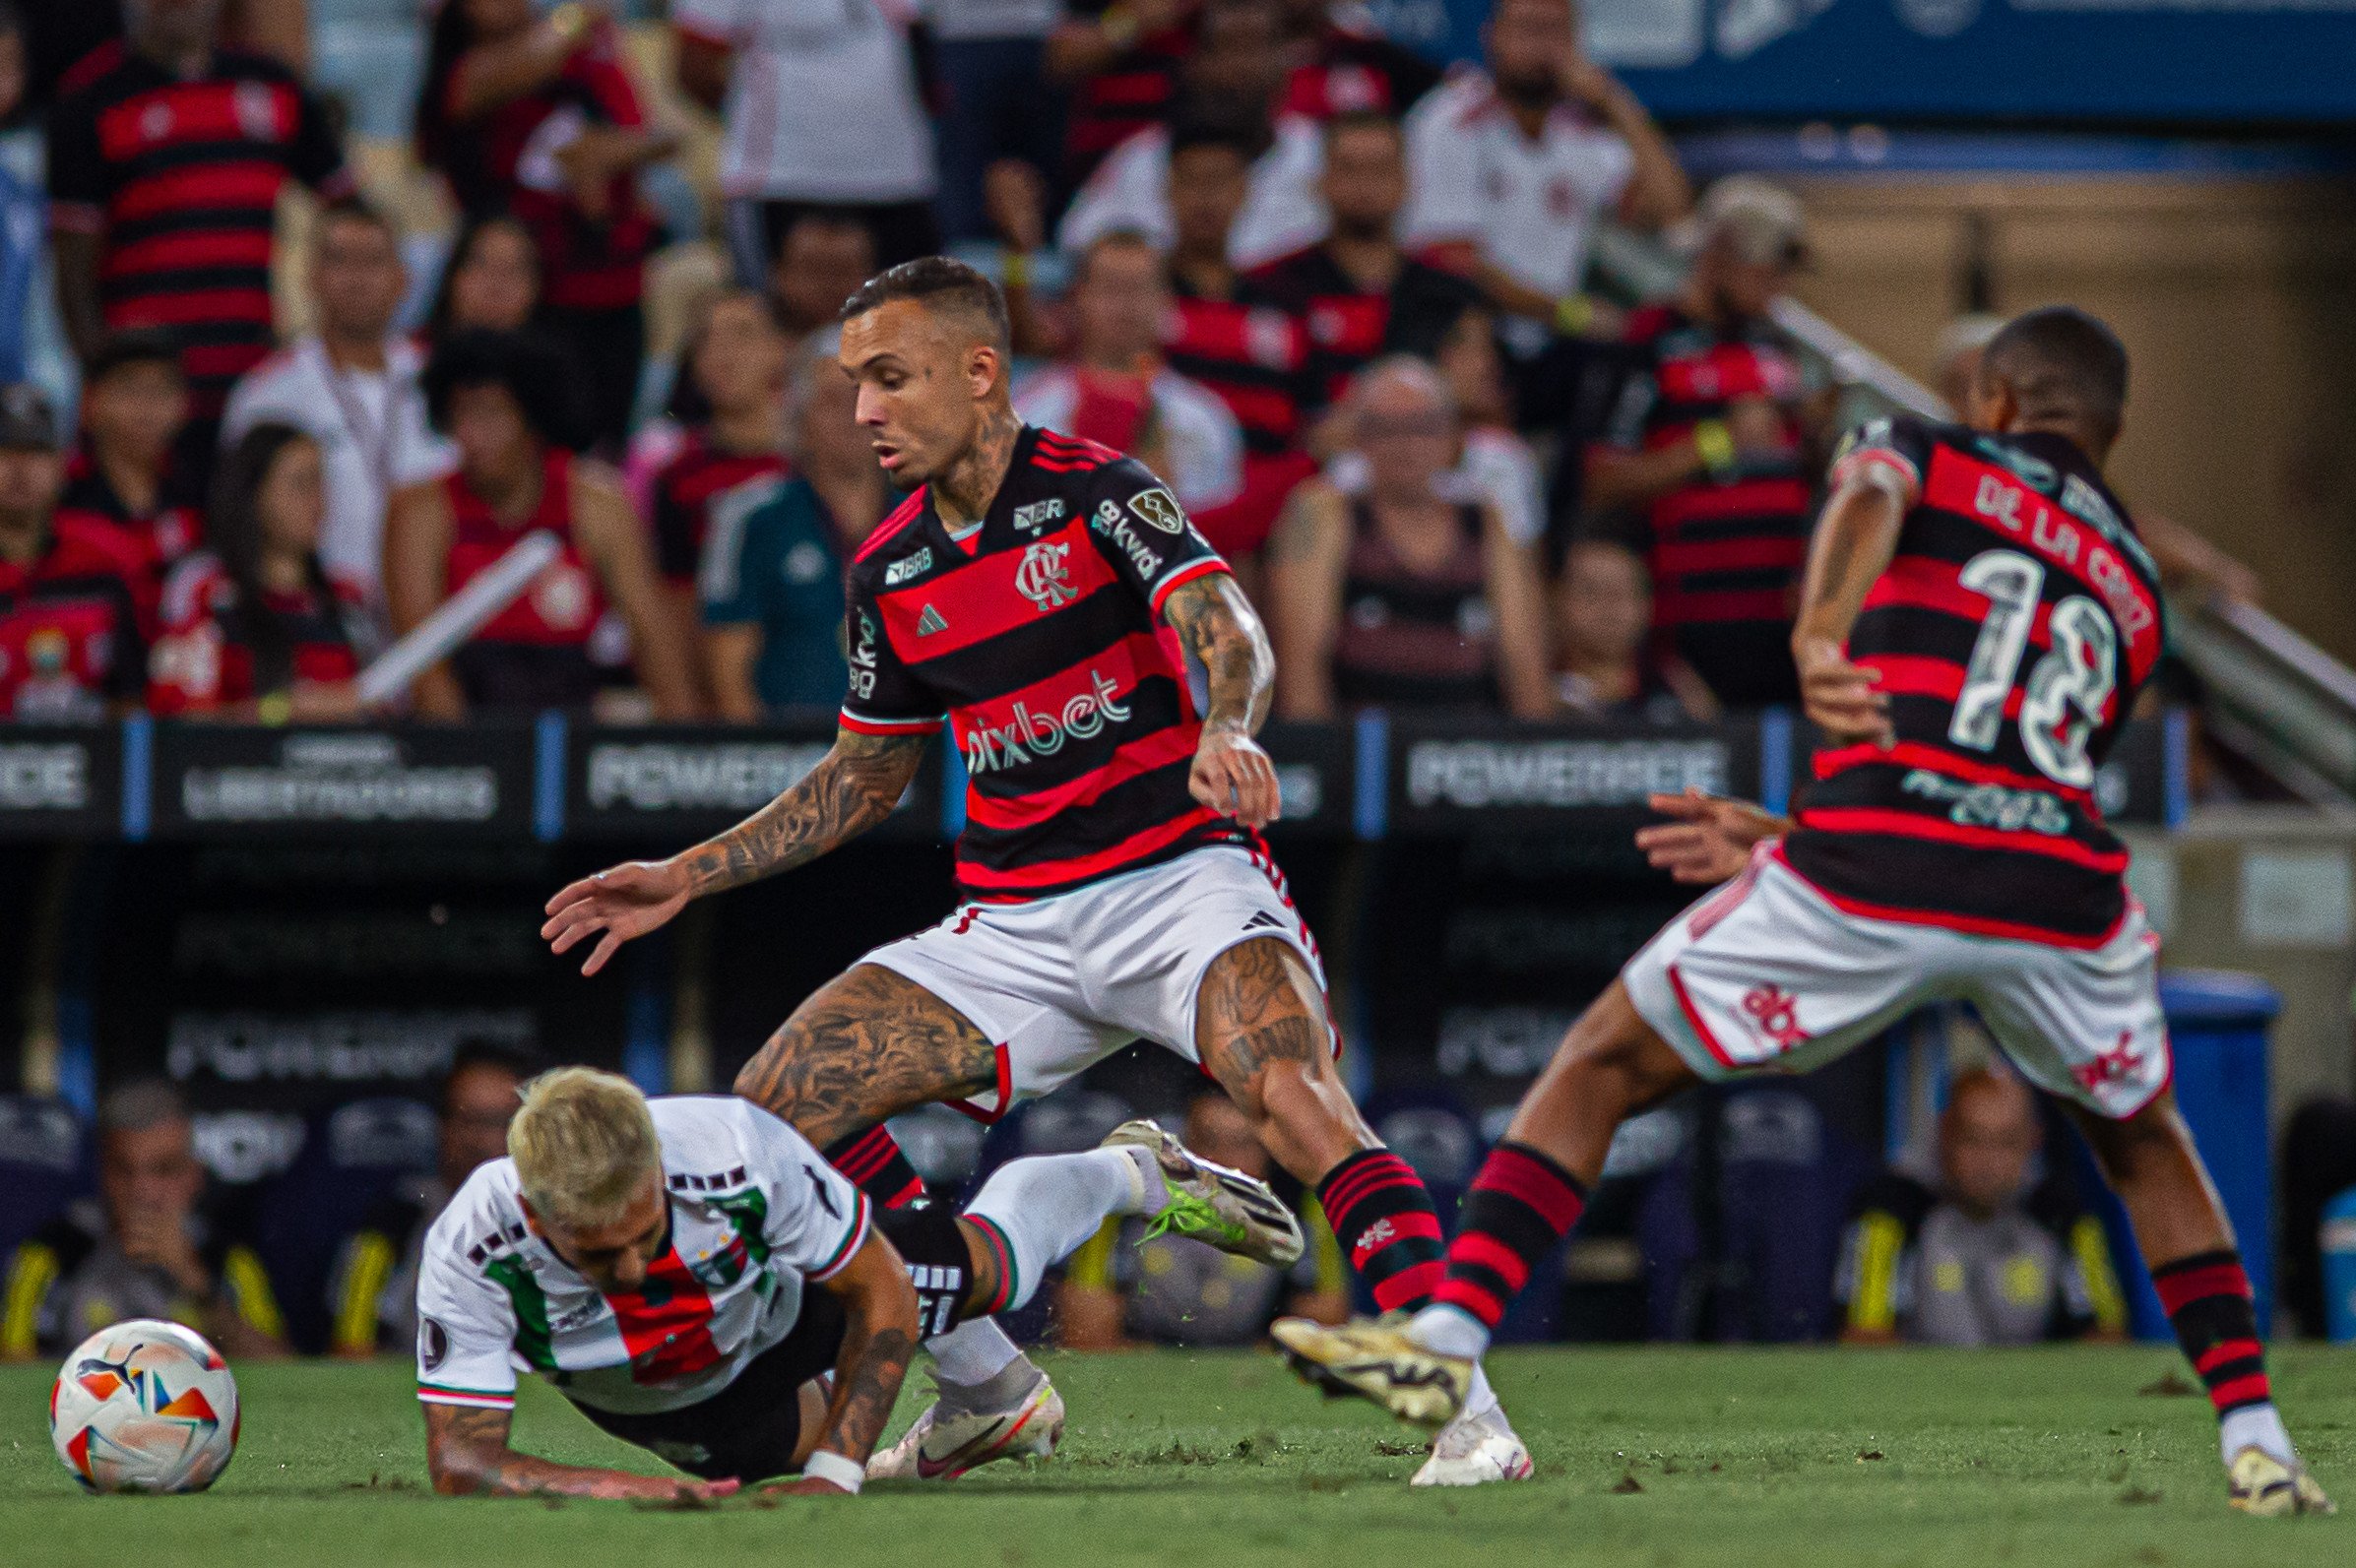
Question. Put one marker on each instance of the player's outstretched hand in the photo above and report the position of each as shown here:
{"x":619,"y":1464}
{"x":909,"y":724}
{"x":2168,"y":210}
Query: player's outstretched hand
{"x":1842,"y":699}
{"x":1709,"y":838}
{"x":1233,"y":776}
{"x":622,"y":902}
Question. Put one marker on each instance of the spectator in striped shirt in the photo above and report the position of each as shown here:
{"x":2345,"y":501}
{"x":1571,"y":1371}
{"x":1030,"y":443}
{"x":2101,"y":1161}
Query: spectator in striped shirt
{"x":537,"y":116}
{"x":166,"y":158}
{"x":124,"y":470}
{"x":1710,"y":449}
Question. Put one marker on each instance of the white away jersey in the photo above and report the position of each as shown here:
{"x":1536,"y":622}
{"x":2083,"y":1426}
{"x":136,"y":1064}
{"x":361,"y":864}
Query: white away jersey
{"x":755,"y":1215}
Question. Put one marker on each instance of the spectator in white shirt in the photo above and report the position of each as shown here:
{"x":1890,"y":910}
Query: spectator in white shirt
{"x":351,"y":386}
{"x":819,"y":106}
{"x":1237,"y":75}
{"x":1512,"y":167}
{"x":1115,"y":389}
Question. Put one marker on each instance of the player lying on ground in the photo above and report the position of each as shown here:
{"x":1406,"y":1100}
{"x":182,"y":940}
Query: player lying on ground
{"x":1037,"y":594}
{"x":697,"y":1280}
{"x":1977,"y":620}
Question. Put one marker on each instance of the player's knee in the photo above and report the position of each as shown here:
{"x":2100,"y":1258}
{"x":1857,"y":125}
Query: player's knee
{"x":768,"y":1079}
{"x":2128,"y":1146}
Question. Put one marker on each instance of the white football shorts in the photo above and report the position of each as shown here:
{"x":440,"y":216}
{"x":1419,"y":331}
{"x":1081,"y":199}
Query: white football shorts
{"x":1766,"y":974}
{"x":1061,"y":984}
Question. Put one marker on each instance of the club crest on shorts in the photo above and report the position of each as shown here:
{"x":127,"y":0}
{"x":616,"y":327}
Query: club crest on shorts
{"x":1044,"y":576}
{"x":1774,"y":1013}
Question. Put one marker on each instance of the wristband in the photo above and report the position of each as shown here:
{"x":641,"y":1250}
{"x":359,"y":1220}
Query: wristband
{"x":1573,"y":315}
{"x":275,"y":708}
{"x":1716,"y":445}
{"x":828,"y":1466}
{"x":1014,"y":269}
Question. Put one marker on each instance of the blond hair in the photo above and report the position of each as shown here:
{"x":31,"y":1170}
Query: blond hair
{"x":584,"y":1143}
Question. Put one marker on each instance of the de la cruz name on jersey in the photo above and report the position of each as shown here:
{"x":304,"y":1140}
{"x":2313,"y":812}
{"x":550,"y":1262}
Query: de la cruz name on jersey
{"x":1039,"y":639}
{"x":2013,"y":630}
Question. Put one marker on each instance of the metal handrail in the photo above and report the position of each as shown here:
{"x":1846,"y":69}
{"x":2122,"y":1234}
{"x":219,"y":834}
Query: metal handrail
{"x":2271,"y":694}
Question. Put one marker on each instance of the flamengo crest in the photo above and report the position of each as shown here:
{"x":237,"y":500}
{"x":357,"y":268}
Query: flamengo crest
{"x":1044,"y":579}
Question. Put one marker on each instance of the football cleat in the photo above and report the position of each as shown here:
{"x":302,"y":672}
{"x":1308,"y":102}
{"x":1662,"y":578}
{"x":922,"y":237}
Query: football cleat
{"x":1231,"y":1211}
{"x":944,"y":1447}
{"x":2259,"y":1483}
{"x":1377,"y":1360}
{"x":1472,"y":1451}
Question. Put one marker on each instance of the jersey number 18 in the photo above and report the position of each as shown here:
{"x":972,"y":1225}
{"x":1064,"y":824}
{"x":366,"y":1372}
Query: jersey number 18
{"x":2067,"y":689}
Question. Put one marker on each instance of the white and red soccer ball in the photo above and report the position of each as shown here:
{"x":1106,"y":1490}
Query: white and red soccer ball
{"x":145,"y":1407}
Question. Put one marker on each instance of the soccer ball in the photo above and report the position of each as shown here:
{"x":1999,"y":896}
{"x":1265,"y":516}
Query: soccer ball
{"x":145,"y":1407}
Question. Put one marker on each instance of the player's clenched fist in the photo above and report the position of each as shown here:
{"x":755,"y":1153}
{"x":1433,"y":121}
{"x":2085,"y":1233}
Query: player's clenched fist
{"x":1233,"y":776}
{"x":622,"y":902}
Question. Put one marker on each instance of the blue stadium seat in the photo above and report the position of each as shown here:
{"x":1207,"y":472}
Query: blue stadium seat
{"x":353,"y":1153}
{"x":45,"y":1163}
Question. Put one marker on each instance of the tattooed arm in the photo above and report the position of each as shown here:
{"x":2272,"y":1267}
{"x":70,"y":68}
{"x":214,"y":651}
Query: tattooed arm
{"x":1855,"y":538}
{"x":879,"y":1334}
{"x":1217,"y":625}
{"x":467,"y":1455}
{"x":856,"y":787}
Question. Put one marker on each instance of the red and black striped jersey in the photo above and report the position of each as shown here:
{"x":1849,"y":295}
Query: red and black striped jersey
{"x":1348,"y":325}
{"x":207,"y":659}
{"x":70,"y":625}
{"x":182,"y":179}
{"x":1250,"y":352}
{"x":1726,"y":549}
{"x":508,"y":161}
{"x":173,"y":527}
{"x":684,"y":491}
{"x":1039,"y":640}
{"x":2013,"y":630}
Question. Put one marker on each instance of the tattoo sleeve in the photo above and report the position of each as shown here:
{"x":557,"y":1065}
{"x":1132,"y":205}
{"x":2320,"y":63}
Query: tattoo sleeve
{"x":856,"y":787}
{"x":1219,"y":626}
{"x":879,"y":1337}
{"x":467,"y":1455}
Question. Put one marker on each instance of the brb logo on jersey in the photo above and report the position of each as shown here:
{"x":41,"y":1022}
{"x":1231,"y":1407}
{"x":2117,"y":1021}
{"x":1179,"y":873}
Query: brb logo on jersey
{"x":1026,"y":734}
{"x":1774,"y":1013}
{"x":1045,"y":577}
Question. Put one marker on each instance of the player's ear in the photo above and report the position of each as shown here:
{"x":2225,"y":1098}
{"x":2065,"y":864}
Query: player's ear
{"x":985,"y":369}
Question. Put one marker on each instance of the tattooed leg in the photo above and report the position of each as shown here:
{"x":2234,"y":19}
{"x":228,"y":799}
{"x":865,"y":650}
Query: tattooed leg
{"x":866,"y":1047}
{"x":1260,"y":1028}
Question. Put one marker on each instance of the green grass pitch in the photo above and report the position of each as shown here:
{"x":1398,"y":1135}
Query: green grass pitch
{"x":1650,"y":1458}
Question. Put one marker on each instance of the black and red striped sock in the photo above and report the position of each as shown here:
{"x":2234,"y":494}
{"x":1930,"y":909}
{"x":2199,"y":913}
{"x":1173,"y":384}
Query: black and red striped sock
{"x":1384,"y":1220}
{"x":2209,"y":1305}
{"x":1521,"y":1204}
{"x":872,"y":1161}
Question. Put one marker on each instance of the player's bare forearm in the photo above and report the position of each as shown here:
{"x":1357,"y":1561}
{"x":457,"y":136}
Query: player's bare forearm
{"x":879,"y":1337}
{"x":467,"y":1455}
{"x":1854,"y":541}
{"x":1218,"y":625}
{"x":856,"y":787}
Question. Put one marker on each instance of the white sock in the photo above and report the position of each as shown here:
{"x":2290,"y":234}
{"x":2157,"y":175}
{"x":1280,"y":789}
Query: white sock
{"x":972,"y":1352}
{"x":1048,"y":1206}
{"x":2256,"y":1426}
{"x":1450,"y":1331}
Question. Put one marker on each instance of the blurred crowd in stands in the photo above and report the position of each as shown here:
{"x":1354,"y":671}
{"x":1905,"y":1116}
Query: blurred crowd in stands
{"x":1338,"y":298}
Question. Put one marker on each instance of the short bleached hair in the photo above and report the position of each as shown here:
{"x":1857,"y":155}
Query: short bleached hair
{"x":584,"y":1145}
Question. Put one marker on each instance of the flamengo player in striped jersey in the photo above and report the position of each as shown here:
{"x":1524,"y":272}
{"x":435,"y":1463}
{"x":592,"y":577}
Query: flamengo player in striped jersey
{"x":697,"y":1280}
{"x":1042,"y":596}
{"x":1977,"y":620}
